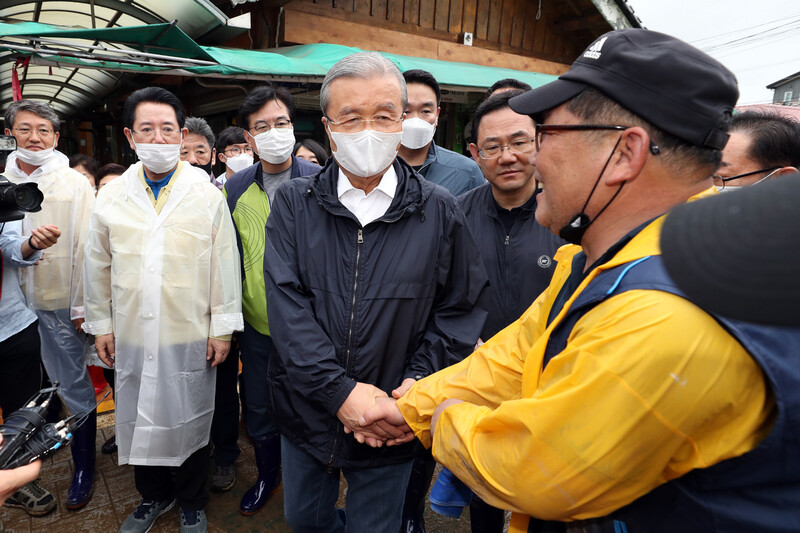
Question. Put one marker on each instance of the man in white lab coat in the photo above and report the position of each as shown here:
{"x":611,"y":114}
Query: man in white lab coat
{"x":54,"y":287}
{"x":164,"y":300}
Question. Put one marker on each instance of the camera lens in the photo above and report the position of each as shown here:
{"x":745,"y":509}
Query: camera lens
{"x":29,"y":197}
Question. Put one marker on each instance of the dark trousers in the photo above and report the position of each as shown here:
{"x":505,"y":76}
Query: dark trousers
{"x":256,"y":351}
{"x":20,"y":368}
{"x":185,"y":483}
{"x":225,"y":424}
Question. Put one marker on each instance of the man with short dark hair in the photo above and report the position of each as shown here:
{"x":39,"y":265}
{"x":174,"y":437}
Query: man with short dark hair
{"x":164,"y":300}
{"x":614,"y":403}
{"x":372,"y":278}
{"x":266,"y":116}
{"x":198,"y":147}
{"x":441,"y":166}
{"x":54,"y":287}
{"x":762,"y":146}
{"x":506,"y":84}
{"x":233,"y":151}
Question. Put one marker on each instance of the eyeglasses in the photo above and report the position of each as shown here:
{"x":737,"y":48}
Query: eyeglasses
{"x":233,"y":151}
{"x":771,"y":170}
{"x":517,"y":146}
{"x":149,"y":133}
{"x":264,"y":127}
{"x":354,"y":124}
{"x":41,"y":132}
{"x":541,"y":129}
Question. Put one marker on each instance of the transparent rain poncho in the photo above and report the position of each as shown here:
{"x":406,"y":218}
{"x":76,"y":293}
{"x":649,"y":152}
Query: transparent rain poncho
{"x":163,"y":284}
{"x":54,"y":287}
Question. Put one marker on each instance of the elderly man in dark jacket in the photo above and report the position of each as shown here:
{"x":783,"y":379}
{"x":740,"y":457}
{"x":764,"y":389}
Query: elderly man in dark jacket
{"x":372,"y":278}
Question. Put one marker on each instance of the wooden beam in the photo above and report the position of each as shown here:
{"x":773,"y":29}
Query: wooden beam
{"x":493,"y":58}
{"x":305,"y":28}
{"x":582,"y":23}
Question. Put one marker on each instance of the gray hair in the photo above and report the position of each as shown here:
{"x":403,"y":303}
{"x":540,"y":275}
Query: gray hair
{"x":365,"y":66}
{"x":199,"y":126}
{"x":37,"y":108}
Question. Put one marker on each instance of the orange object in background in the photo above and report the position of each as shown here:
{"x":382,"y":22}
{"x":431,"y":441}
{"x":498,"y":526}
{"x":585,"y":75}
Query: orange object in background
{"x":99,"y":382}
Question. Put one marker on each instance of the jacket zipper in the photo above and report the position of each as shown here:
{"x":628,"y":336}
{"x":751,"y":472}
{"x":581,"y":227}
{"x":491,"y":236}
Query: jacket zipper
{"x":359,"y":242}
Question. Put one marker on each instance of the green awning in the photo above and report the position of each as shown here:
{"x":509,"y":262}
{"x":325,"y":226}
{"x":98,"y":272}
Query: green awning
{"x":166,"y":49}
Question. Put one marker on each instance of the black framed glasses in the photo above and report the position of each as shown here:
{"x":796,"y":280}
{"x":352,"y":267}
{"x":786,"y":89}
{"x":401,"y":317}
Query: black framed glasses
{"x":541,"y":129}
{"x":724,"y":181}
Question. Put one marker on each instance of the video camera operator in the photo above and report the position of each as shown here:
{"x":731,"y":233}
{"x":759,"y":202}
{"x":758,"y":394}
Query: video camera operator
{"x":20,"y":351}
{"x":54,"y":288}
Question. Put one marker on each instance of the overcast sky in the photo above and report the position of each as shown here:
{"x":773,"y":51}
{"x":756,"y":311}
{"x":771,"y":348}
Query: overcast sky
{"x":766,"y":35}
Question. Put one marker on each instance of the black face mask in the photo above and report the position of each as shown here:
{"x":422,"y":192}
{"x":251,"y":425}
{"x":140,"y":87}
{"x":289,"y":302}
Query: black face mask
{"x":206,"y":167}
{"x":573,"y":232}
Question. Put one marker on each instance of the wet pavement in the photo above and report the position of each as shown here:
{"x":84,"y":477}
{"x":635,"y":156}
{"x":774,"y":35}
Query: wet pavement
{"x":115,"y":497}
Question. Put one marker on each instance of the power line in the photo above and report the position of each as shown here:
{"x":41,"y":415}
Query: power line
{"x":712,"y":37}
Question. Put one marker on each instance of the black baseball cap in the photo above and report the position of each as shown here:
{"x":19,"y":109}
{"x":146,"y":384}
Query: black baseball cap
{"x":738,"y":253}
{"x":667,"y":82}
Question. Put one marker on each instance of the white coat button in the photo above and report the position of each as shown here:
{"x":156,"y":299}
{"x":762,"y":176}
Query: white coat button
{"x":150,"y":357}
{"x":152,"y":269}
{"x":149,"y":315}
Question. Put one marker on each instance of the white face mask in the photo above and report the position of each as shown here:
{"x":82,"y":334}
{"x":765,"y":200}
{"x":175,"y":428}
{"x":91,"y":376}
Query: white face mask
{"x":417,"y":133}
{"x":276,"y":145}
{"x":158,"y":158}
{"x":728,"y":188}
{"x":239,"y":162}
{"x":367,"y":152}
{"x":36,"y":158}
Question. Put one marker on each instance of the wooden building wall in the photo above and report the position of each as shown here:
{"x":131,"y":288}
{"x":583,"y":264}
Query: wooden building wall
{"x":521,"y":34}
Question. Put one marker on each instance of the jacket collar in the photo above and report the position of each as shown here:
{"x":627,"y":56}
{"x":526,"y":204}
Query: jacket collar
{"x":412,"y":190}
{"x":645,"y":243}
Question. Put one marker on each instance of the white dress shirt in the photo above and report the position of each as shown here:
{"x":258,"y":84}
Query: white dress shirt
{"x":372,"y":206}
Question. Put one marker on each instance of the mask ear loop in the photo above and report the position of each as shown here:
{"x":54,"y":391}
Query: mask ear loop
{"x":573,"y":232}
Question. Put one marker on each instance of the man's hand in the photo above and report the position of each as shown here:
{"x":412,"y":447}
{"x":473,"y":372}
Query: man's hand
{"x":45,"y":236}
{"x":78,"y":322}
{"x":403,"y":388}
{"x":104,"y":344}
{"x":385,"y":414}
{"x":11,"y":480}
{"x":217,"y":351}
{"x":361,"y":398}
{"x":42,"y":237}
{"x":442,"y":406}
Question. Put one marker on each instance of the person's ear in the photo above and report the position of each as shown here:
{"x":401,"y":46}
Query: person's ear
{"x":473,"y":150}
{"x":129,"y":136}
{"x":630,"y":156}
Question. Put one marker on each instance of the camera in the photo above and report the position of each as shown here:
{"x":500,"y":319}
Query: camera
{"x":14,"y":199}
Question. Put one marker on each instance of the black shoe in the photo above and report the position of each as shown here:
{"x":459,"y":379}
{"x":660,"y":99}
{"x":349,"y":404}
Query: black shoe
{"x":109,"y":446}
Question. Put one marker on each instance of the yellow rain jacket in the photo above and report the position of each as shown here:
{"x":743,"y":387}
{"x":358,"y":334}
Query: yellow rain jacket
{"x":163,"y":283}
{"x":639,"y":396}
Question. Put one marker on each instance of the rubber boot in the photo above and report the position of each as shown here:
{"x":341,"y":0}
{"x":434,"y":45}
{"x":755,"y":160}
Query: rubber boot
{"x":418,"y":484}
{"x":83,"y":455}
{"x":484,"y":518}
{"x":268,"y":462}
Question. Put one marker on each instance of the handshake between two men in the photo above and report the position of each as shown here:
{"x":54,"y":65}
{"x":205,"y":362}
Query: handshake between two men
{"x":372,"y":416}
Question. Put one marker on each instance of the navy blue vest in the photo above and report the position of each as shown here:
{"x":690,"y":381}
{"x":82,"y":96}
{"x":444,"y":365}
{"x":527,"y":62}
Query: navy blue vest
{"x":756,"y":492}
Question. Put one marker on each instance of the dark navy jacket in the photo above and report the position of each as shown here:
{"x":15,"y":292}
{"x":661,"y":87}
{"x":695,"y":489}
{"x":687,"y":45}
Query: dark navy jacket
{"x":519,"y":264}
{"x":374,"y":304}
{"x":455,"y":172}
{"x":755,"y":492}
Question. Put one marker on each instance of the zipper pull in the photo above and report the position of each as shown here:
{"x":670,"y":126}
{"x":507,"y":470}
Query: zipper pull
{"x":506,"y":243}
{"x":360,"y":236}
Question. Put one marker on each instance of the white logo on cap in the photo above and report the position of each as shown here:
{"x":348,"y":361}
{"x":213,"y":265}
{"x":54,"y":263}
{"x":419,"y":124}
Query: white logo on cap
{"x":594,"y":51}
